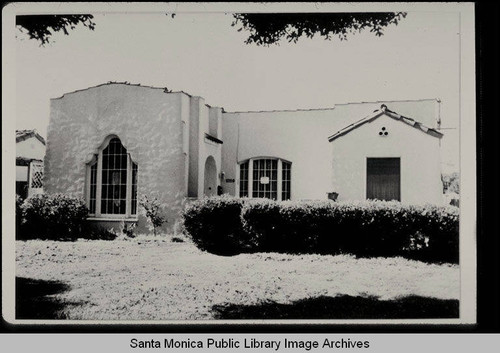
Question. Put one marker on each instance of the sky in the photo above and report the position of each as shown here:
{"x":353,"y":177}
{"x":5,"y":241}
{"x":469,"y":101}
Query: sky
{"x":202,"y":54}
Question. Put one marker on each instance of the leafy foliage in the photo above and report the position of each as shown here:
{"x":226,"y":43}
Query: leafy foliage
{"x":451,"y":182}
{"x":54,"y":217}
{"x":214,"y":224}
{"x":128,"y":228}
{"x":41,"y":27}
{"x":270,"y":28}
{"x":264,"y":28}
{"x":19,"y":215}
{"x":97,"y":232}
{"x":369,"y":228}
{"x":152,"y":208}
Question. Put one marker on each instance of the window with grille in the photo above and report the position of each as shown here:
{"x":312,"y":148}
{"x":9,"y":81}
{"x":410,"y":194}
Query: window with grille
{"x":286,"y":172}
{"x":134,"y":188}
{"x":265,"y":178}
{"x":93,"y":187}
{"x":112,"y":178}
{"x":244,"y":179}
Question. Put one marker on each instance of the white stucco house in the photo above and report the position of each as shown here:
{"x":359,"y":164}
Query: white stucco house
{"x":30,"y":152}
{"x":114,"y":142}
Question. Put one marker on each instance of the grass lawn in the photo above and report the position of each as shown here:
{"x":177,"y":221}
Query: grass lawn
{"x":151,"y":278}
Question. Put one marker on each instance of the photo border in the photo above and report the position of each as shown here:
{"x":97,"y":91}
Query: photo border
{"x":468,"y":180}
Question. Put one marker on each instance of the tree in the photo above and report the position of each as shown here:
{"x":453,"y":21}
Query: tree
{"x":41,"y":27}
{"x":270,"y":28}
{"x":264,"y":28}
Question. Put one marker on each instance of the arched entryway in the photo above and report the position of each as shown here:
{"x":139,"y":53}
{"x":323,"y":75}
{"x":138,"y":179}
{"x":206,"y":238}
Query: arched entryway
{"x":210,"y":186}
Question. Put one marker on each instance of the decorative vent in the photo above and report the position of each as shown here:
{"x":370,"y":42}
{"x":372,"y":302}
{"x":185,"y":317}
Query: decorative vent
{"x":383,"y":132}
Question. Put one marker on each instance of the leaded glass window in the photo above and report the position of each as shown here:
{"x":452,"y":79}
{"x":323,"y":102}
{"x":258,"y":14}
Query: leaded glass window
{"x":286,"y":176}
{"x":112,"y":184}
{"x":265,"y":178}
{"x":244,"y":179}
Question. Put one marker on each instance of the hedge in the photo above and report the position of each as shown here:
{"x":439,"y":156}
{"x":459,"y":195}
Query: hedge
{"x":224,"y":225}
{"x":54,"y":217}
{"x":214,"y":225}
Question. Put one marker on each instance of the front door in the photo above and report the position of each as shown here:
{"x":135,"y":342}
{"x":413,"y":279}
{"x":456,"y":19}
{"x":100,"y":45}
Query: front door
{"x":383,"y":179}
{"x":210,"y":185}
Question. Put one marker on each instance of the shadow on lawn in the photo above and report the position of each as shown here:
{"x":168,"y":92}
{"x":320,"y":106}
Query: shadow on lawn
{"x":344,"y":307}
{"x":34,"y":299}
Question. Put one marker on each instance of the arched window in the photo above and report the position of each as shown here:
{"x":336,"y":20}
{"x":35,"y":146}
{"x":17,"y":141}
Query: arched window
{"x":112,"y":182}
{"x":265,"y":177}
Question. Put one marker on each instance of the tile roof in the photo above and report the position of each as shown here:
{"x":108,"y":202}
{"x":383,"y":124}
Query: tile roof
{"x":213,"y":138}
{"x":22,"y":135}
{"x":384,"y":110}
{"x":334,"y":107}
{"x":24,"y":161}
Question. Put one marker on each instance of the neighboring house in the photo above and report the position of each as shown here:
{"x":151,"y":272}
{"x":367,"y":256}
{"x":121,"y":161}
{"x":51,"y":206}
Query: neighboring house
{"x":30,"y":152}
{"x":114,"y":142}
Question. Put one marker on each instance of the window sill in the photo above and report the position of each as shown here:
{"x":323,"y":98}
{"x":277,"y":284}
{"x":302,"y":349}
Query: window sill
{"x":113,"y":219}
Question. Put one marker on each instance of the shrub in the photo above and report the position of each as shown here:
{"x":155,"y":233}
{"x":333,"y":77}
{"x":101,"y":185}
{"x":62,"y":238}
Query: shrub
{"x":56,"y":216}
{"x":152,"y":209}
{"x":451,"y":183}
{"x":96,"y":232}
{"x":261,"y":222}
{"x":363,"y":229}
{"x":440,"y":227}
{"x":19,"y":215}
{"x":128,"y":229}
{"x":367,"y":228}
{"x":214,"y":225}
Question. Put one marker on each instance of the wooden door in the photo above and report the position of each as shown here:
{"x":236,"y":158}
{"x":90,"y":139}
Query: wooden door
{"x":383,"y":179}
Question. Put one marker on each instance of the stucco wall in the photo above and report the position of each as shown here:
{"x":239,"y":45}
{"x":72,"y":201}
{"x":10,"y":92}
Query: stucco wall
{"x":206,"y":148}
{"x":230,"y":133}
{"x":419,"y":153}
{"x":301,"y":137}
{"x":195,"y":106}
{"x":185,"y":119}
{"x":150,"y":125}
{"x":214,"y":121}
{"x":203,"y":119}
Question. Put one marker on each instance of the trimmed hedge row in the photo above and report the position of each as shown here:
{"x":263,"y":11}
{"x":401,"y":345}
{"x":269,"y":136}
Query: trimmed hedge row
{"x":228,"y":226}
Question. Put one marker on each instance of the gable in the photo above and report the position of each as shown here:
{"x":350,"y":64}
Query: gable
{"x":22,"y":135}
{"x":30,"y":147}
{"x":393,"y":115}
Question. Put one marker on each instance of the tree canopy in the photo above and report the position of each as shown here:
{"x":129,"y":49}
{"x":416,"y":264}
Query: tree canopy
{"x":270,"y":28}
{"x":41,"y":27}
{"x":264,"y":28}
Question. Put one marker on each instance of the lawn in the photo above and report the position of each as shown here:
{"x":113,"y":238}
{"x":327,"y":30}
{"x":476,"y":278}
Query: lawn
{"x":150,"y":278}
